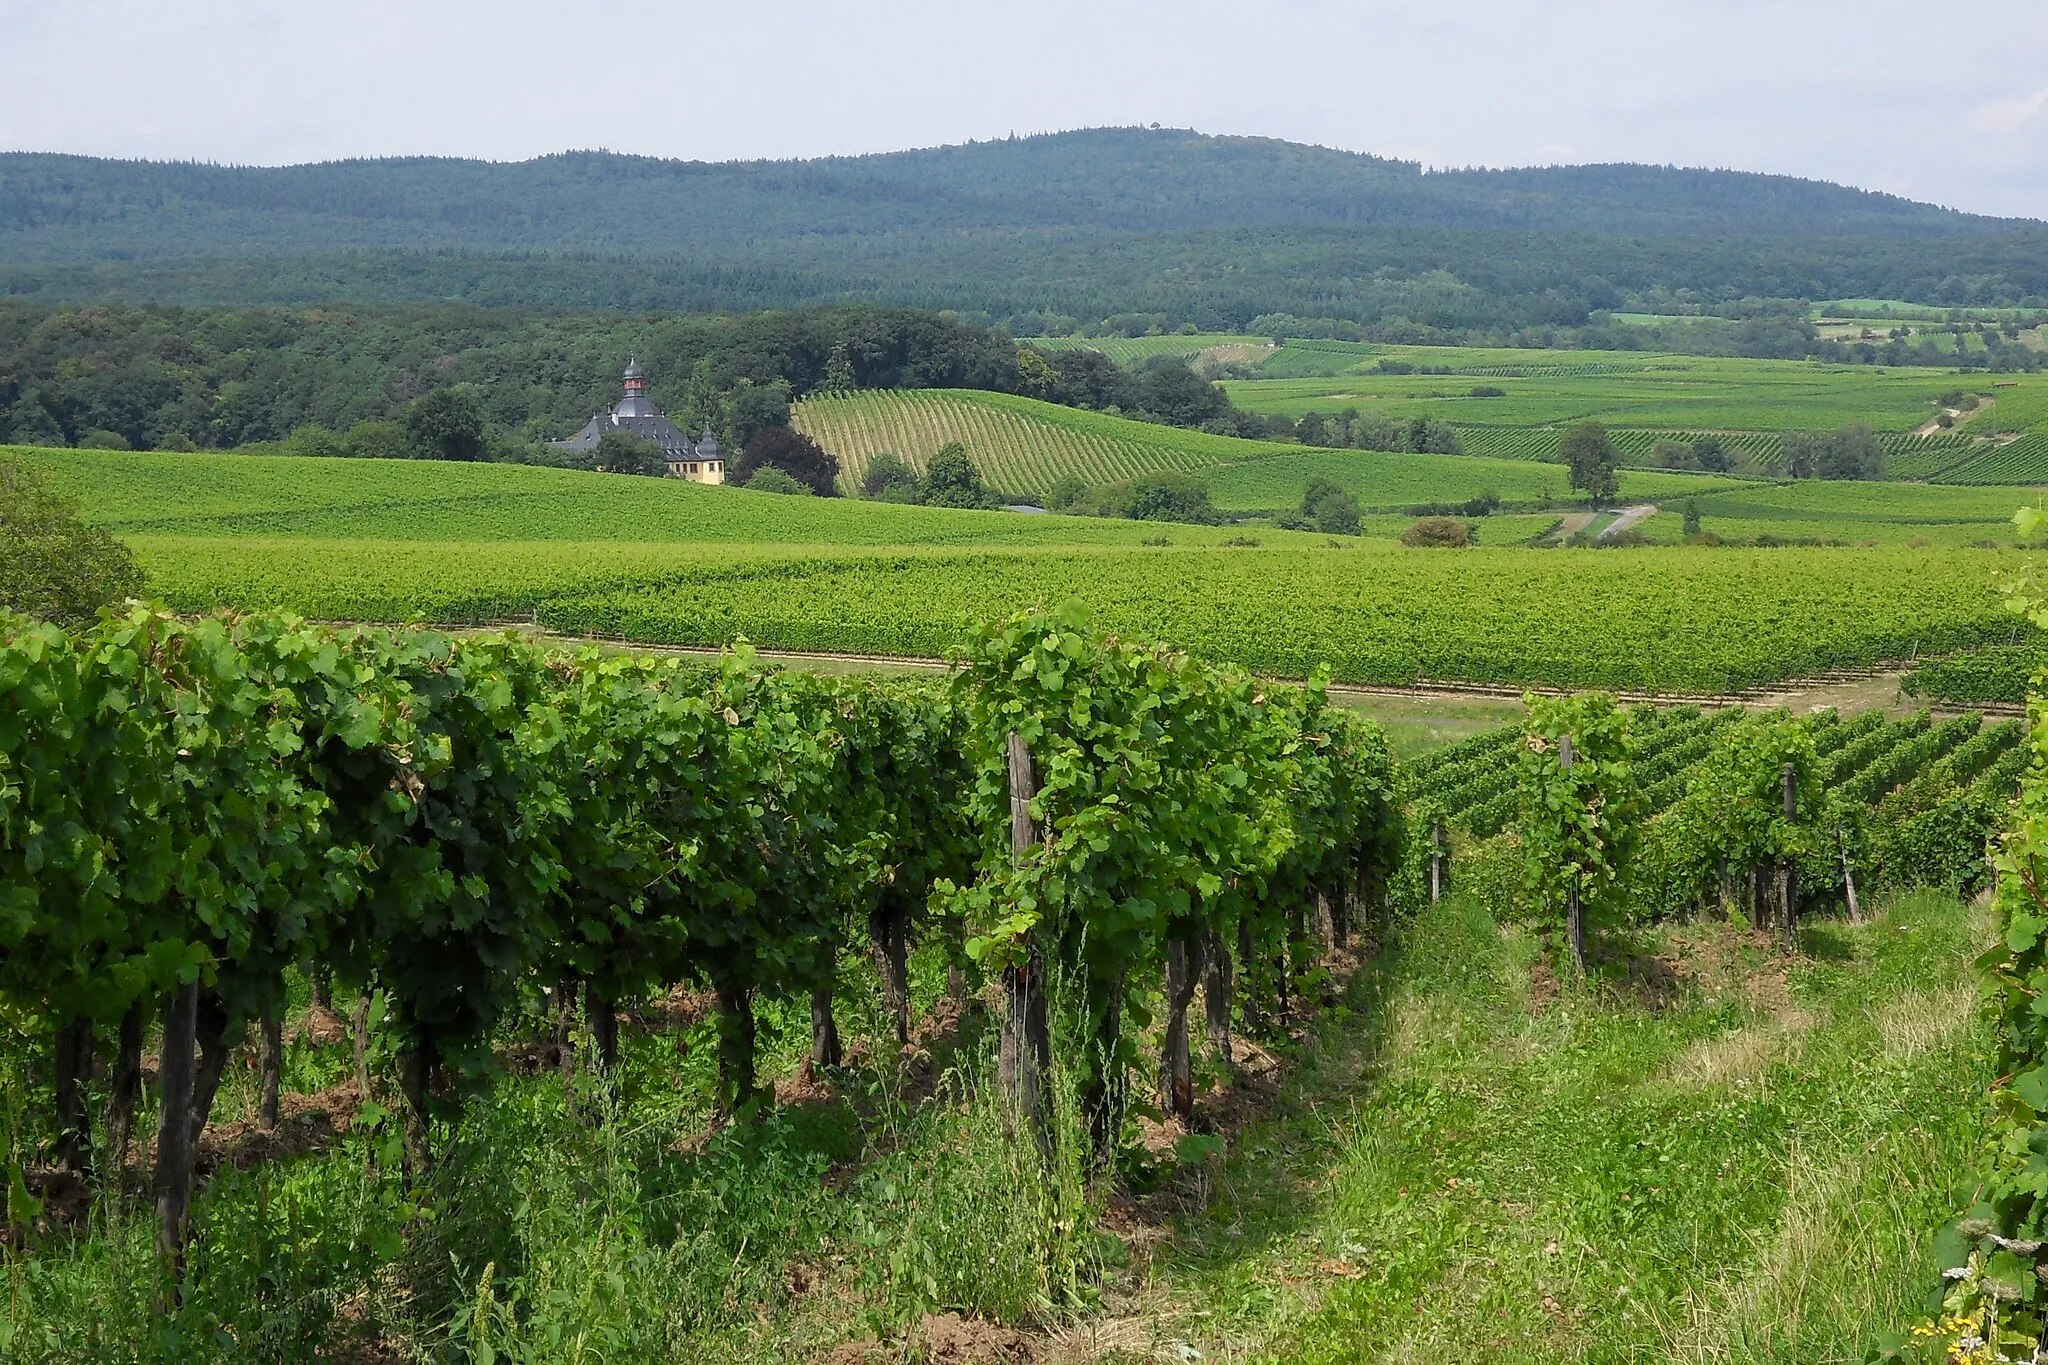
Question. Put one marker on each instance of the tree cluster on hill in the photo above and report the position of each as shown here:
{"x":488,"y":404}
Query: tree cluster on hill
{"x":1849,"y":453}
{"x":950,"y":480}
{"x":1376,"y":431}
{"x":170,"y":378}
{"x":1160,"y":389}
{"x":1148,"y":497}
{"x":1326,"y":507}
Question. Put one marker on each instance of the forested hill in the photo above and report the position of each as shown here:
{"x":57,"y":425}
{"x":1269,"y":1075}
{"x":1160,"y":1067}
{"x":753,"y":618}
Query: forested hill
{"x":72,"y":208}
{"x":1082,"y":225}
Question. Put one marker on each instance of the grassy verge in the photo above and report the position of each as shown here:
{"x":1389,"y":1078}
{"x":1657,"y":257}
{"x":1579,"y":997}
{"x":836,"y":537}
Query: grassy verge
{"x":1702,"y":1156}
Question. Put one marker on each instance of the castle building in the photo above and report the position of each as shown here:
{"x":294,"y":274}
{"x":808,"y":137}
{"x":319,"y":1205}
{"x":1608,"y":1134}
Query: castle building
{"x":699,"y":461}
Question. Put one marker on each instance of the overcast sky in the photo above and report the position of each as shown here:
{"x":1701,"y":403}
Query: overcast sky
{"x":1944,"y":102}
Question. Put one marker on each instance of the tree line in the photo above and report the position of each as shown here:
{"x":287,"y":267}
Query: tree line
{"x":459,"y":383}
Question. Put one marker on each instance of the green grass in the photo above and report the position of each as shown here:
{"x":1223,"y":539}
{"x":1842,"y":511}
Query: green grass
{"x":1742,"y":1166}
{"x":1417,"y":725}
{"x":1663,"y":392}
{"x":1381,"y":480}
{"x":285,"y":497}
{"x":1127,"y":350}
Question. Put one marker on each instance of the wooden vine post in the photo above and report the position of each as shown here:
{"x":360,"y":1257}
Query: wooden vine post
{"x":1026,"y":1053}
{"x":1848,"y":877}
{"x":175,"y":1138}
{"x":1574,"y":908}
{"x":1177,"y":1072}
{"x":1436,"y":859}
{"x":1788,"y":873}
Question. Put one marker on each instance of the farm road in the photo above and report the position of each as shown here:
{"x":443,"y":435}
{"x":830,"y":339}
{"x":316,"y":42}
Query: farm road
{"x":1571,"y":526}
{"x":1630,"y":516}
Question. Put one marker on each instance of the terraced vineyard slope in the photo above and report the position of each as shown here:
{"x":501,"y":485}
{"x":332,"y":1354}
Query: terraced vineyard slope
{"x":1024,"y":446}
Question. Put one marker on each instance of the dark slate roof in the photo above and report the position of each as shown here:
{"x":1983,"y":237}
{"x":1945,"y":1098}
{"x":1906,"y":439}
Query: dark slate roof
{"x":649,"y":424}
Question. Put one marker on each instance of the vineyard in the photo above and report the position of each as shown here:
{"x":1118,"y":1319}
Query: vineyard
{"x":1018,"y":444}
{"x":482,"y":843}
{"x":1880,"y":804}
{"x":1997,"y":673}
{"x":1025,"y":446}
{"x":1134,"y":350}
{"x":568,"y":916}
{"x":1682,"y":621}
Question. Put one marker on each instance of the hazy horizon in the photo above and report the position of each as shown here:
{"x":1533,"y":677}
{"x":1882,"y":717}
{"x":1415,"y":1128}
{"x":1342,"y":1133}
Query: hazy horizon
{"x":1870,"y":95}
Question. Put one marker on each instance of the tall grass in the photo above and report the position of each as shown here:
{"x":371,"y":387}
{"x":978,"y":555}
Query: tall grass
{"x":604,"y":1223}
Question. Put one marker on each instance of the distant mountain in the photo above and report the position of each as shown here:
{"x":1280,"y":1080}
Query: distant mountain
{"x":1081,"y":224}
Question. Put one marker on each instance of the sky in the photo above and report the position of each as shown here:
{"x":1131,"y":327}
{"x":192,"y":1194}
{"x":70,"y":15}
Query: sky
{"x":1941,"y":102}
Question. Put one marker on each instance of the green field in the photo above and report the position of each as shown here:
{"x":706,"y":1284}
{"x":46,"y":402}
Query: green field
{"x":674,"y":563}
{"x":1381,"y":480}
{"x":1644,"y":397}
{"x":1620,"y":388}
{"x":223,"y":496}
{"x":1128,"y":350}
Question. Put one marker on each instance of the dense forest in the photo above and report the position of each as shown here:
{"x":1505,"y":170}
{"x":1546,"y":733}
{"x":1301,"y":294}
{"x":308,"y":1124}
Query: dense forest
{"x":182,"y":378}
{"x":1043,"y":233}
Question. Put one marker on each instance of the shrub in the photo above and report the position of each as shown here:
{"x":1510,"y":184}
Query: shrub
{"x":889,"y":479}
{"x":1070,"y":494}
{"x":101,"y":439}
{"x":376,"y":441}
{"x":1488,"y":391}
{"x":316,"y":440}
{"x":52,"y":565}
{"x":1325,"y":507}
{"x":1438,"y":532}
{"x":792,"y":452}
{"x":770,"y":479}
{"x":621,"y":452}
{"x":1158,"y":497}
{"x":1709,"y":454}
{"x":446,"y":424}
{"x":951,"y":480}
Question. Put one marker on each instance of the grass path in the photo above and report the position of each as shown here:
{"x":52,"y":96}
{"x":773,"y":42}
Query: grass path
{"x":1704,"y":1156}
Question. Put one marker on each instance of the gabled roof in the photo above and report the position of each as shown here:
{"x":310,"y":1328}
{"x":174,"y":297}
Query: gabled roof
{"x":650,"y":426}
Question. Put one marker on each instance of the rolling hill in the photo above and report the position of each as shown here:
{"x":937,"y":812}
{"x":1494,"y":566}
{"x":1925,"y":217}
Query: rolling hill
{"x":1086,"y":224}
{"x":1023,"y":446}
